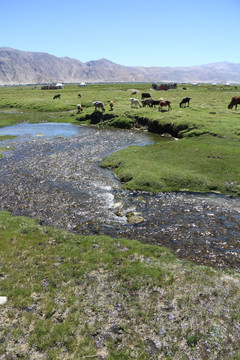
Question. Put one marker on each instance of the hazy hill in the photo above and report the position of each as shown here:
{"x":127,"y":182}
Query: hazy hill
{"x":25,"y":67}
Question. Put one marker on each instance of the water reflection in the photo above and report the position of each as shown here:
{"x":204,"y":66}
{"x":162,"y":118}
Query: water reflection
{"x":27,"y":131}
{"x":59,"y":181}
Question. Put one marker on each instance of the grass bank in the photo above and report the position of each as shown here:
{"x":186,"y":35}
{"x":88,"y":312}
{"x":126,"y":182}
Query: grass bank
{"x":77,"y":297}
{"x":204,"y":164}
{"x":204,"y":159}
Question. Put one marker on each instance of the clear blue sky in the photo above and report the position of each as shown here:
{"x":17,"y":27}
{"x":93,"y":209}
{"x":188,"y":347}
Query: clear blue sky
{"x":127,"y":32}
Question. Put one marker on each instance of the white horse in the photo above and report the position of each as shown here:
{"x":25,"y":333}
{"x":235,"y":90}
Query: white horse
{"x":79,"y":108}
{"x":99,"y":105}
{"x":135,"y":102}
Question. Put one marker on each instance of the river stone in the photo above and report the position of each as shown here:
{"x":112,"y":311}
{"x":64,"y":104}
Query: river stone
{"x":118,"y":204}
{"x":118,"y":213}
{"x":3,"y":300}
{"x":134,"y":217}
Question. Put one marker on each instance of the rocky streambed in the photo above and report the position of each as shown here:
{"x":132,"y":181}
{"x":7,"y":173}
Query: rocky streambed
{"x":55,"y":176}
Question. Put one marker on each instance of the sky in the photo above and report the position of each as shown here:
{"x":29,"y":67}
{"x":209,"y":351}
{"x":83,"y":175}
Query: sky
{"x":127,"y":32}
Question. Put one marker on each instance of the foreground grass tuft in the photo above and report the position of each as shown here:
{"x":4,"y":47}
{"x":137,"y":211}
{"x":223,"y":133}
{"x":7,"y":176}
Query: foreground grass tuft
{"x":76,"y":297}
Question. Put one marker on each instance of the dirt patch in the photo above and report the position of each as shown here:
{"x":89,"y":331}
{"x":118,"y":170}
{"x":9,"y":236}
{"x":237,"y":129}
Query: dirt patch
{"x":97,"y":117}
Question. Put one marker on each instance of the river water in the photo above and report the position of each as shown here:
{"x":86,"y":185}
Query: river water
{"x":53,"y":174}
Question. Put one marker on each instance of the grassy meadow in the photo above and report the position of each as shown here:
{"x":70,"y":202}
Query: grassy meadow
{"x":206,"y":158}
{"x":80,"y":297}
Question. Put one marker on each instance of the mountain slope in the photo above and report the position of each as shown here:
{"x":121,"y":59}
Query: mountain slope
{"x":25,"y":67}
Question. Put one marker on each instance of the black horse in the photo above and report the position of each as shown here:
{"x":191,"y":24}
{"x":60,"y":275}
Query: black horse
{"x":185,"y":101}
{"x":57,"y":96}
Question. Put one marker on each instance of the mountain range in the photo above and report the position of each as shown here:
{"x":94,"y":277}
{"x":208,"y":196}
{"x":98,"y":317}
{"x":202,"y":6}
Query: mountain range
{"x":25,"y":67}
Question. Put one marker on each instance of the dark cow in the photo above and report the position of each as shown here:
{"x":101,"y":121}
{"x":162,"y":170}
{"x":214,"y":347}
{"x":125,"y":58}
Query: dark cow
{"x":57,"y":96}
{"x":79,"y":95}
{"x":147,"y":101}
{"x":156,"y":102}
{"x":185,"y":101}
{"x":235,"y":101}
{"x":145,"y":95}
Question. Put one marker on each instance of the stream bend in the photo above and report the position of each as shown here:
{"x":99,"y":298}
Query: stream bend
{"x":55,"y":176}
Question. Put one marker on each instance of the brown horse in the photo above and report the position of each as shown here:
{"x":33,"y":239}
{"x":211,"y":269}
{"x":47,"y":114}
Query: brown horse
{"x":235,"y":101}
{"x":111,"y":104}
{"x":164,"y":103}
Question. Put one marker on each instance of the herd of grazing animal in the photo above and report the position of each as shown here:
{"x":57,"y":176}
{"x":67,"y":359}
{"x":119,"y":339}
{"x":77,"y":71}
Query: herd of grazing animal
{"x":147,"y":100}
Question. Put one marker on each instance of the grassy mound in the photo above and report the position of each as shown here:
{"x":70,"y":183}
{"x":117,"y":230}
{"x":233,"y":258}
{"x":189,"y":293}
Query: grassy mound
{"x":208,"y":164}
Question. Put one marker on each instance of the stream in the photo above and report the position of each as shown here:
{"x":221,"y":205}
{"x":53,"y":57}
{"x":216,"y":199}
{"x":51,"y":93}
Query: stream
{"x":53,"y":174}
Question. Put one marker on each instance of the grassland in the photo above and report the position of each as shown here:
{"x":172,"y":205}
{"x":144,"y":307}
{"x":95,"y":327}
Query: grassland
{"x":78,"y":297}
{"x":206,"y":158}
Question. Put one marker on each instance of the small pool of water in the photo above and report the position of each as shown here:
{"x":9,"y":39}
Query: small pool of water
{"x":27,"y":130}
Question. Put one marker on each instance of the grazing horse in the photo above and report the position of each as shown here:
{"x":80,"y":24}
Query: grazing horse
{"x":111,"y":104}
{"x":235,"y":101}
{"x":79,"y":108}
{"x":99,"y":105}
{"x":164,"y":103}
{"x":185,"y":101}
{"x":57,"y":96}
{"x":135,"y":102}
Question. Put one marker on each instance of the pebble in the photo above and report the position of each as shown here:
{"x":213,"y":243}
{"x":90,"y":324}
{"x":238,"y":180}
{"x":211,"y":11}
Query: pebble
{"x":3,"y":300}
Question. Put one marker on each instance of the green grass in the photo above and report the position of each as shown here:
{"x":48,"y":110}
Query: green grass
{"x":204,"y":159}
{"x":76,"y":297}
{"x":79,"y":297}
{"x":208,"y":164}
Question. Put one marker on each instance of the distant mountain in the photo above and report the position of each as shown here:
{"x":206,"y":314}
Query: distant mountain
{"x":25,"y":67}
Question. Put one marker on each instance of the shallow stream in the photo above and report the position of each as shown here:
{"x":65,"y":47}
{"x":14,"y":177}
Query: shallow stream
{"x":53,"y":174}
